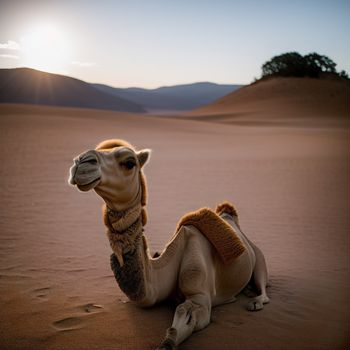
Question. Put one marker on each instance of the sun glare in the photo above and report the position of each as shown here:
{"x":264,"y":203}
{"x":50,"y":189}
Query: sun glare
{"x":44,"y":47}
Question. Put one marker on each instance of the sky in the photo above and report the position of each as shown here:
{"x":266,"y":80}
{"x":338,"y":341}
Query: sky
{"x":152,"y":43}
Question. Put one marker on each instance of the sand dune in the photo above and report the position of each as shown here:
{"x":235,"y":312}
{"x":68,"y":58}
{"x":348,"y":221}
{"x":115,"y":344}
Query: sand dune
{"x":281,"y":100}
{"x":291,"y":188}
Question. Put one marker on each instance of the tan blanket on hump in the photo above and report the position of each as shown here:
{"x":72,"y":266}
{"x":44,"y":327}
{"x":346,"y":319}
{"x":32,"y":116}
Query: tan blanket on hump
{"x":220,"y":234}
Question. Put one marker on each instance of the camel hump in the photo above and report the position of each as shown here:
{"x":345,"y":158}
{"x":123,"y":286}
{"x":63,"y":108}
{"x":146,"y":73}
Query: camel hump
{"x":219,"y":233}
{"x":226,"y":207}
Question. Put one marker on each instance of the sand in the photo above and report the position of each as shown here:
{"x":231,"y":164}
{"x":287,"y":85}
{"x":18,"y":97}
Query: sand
{"x":290,"y":185}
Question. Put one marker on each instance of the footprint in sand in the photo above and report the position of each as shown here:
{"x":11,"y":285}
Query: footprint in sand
{"x":71,"y":323}
{"x":41,"y":293}
{"x":68,"y":324}
{"x":90,"y":308}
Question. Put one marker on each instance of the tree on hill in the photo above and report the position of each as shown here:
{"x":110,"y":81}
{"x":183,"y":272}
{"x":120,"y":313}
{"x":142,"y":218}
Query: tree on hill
{"x":317,"y":64}
{"x":287,"y":64}
{"x":292,"y":64}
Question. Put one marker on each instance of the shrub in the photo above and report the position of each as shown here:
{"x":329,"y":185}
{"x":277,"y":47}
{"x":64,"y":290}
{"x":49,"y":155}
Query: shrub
{"x":292,"y":64}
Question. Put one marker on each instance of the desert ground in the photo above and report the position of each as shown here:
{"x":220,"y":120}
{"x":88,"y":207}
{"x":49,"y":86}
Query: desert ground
{"x":289,"y":182}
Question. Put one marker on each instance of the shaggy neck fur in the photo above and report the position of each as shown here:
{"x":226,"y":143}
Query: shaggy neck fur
{"x":125,"y":230}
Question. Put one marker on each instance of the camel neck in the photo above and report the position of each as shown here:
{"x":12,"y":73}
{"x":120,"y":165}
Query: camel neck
{"x":128,"y":261}
{"x":120,"y":221}
{"x":124,"y":230}
{"x":130,"y":276}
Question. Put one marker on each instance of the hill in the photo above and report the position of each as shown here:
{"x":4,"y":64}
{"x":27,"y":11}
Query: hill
{"x":282,"y":97}
{"x":24,"y":85}
{"x":176,"y":98}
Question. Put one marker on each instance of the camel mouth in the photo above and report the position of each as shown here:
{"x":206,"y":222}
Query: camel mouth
{"x":90,"y":185}
{"x":85,"y":172}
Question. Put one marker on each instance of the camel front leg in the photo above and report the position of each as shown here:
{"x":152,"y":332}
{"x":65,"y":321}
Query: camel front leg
{"x":192,"y":315}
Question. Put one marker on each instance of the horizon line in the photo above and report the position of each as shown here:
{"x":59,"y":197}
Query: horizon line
{"x":127,"y":87}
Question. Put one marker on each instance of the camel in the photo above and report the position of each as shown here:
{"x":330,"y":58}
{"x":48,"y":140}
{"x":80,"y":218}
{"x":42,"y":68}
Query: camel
{"x":189,"y":269}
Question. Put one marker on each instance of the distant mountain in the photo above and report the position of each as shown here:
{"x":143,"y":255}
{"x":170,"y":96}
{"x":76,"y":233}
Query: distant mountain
{"x":172,"y":98}
{"x":24,"y":85}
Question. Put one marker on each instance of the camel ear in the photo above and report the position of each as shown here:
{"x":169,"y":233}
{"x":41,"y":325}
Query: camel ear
{"x":144,"y":156}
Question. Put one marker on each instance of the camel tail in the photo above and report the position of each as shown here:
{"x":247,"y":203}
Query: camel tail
{"x":228,"y":208}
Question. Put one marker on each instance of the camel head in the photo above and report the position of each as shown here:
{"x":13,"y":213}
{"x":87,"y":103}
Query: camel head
{"x":114,"y":171}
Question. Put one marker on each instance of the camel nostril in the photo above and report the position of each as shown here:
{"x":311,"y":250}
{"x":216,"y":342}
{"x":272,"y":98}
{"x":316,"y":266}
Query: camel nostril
{"x":90,"y":160}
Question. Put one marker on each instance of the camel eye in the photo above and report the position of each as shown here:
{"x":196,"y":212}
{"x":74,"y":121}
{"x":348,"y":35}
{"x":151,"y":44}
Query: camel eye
{"x":129,"y":164}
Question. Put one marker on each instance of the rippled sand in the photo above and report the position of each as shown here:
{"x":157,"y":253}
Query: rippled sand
{"x":291,"y":188}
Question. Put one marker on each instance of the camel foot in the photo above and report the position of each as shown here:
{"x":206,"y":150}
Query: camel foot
{"x":257,"y":303}
{"x":169,"y":342}
{"x":167,"y":345}
{"x":255,"y":306}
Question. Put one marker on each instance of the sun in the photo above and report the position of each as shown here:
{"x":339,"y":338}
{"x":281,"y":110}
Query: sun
{"x":45,"y":47}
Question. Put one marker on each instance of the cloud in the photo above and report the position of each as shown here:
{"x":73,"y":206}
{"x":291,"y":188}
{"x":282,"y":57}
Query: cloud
{"x":83,"y":64}
{"x":4,"y":55}
{"x":10,"y":45}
